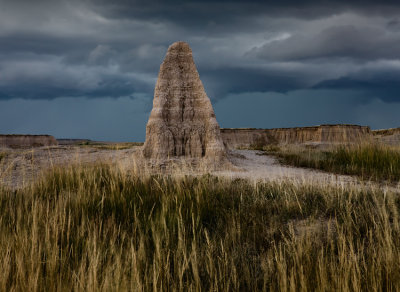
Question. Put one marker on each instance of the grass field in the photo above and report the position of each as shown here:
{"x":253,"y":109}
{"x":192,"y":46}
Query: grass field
{"x":97,"y":228}
{"x":368,"y":161}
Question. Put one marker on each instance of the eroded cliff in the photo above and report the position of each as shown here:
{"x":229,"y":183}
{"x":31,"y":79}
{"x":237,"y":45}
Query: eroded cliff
{"x":388,"y":136}
{"x":27,"y":141}
{"x":236,"y":138}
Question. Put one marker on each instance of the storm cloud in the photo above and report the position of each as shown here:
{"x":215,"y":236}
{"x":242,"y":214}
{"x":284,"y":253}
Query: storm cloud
{"x":92,"y":49}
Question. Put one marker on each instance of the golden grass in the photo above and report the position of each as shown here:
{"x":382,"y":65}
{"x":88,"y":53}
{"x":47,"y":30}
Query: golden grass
{"x":111,"y":146}
{"x":91,"y":228}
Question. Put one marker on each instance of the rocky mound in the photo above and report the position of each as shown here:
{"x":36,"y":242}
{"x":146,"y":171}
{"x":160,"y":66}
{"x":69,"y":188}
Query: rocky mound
{"x":182,"y":123}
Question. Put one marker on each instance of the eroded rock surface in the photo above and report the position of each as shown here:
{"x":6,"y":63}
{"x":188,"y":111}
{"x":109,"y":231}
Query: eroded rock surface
{"x":324,"y":134}
{"x":27,"y":141}
{"x":388,"y":136}
{"x":182,"y":123}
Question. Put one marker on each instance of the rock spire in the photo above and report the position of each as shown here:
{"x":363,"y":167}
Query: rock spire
{"x":182,"y":123}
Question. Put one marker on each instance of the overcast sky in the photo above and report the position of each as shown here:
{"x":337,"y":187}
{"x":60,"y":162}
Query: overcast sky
{"x":87,"y":68}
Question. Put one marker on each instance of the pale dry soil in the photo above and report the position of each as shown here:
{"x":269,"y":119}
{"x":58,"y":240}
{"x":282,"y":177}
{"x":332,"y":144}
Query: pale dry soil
{"x":260,"y":167}
{"x":21,"y":167}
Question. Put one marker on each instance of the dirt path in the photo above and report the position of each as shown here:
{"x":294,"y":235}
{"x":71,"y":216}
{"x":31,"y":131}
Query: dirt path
{"x":256,"y":166}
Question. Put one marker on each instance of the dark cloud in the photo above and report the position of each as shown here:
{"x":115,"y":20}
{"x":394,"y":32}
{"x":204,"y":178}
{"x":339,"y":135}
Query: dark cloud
{"x":394,"y":24}
{"x":384,"y":89}
{"x":340,"y":56}
{"x":104,"y":48}
{"x":50,"y":78}
{"x":106,"y":88}
{"x":42,"y":44}
{"x":379,"y":80}
{"x":222,"y":81}
{"x":198,"y":13}
{"x":344,"y":41}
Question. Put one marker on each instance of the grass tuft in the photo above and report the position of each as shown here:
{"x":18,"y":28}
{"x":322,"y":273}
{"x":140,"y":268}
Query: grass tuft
{"x":3,"y":155}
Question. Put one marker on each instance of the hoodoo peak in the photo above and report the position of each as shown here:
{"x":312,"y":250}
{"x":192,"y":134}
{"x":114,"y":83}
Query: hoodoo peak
{"x":182,"y":122}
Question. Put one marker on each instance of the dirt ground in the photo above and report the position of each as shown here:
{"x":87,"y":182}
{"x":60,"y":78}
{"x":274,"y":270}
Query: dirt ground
{"x":19,"y":167}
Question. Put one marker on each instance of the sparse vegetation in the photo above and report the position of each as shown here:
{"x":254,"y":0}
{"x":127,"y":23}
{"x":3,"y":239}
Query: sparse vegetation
{"x":3,"y":155}
{"x":96,"y":228}
{"x":111,"y":146}
{"x":368,"y":161}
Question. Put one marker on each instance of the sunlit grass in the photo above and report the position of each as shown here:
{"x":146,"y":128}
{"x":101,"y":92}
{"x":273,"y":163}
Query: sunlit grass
{"x":98,"y":228}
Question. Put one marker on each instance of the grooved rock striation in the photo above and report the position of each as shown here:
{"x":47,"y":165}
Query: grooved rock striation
{"x":388,"y":136}
{"x":328,"y":134}
{"x":182,"y":123}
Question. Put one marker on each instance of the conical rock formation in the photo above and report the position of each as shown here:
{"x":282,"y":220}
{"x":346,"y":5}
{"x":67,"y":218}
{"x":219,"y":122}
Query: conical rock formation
{"x":182,"y":123}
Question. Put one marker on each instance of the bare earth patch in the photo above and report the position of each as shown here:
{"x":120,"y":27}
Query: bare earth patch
{"x":20,"y":167}
{"x":265,"y":167}
{"x":257,"y":166}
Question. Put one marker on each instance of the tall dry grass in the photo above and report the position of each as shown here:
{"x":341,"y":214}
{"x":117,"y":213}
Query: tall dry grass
{"x":98,"y":228}
{"x":110,"y":146}
{"x":368,"y":161}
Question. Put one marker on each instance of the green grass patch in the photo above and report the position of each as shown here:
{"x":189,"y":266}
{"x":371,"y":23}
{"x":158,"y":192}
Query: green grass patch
{"x":370,"y":162}
{"x":95,"y":228}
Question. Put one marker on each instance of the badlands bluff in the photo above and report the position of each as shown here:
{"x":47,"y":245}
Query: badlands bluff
{"x":182,"y":123}
{"x":27,"y":141}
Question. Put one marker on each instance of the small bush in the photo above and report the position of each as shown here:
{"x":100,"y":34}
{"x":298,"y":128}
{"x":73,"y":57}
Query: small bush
{"x":271,"y":148}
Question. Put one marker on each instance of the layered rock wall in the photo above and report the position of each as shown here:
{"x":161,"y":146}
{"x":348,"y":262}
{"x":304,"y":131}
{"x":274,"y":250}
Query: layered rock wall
{"x":388,"y":136}
{"x":236,"y":138}
{"x":27,"y":141}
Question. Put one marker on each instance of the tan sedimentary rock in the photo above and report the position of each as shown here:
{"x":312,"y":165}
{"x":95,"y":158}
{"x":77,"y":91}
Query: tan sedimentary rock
{"x":27,"y":141}
{"x":234,"y":138}
{"x":182,"y":123}
{"x":387,"y":136}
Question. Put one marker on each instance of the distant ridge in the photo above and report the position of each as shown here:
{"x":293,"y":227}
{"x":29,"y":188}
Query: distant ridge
{"x":26,"y":141}
{"x":338,"y":133}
